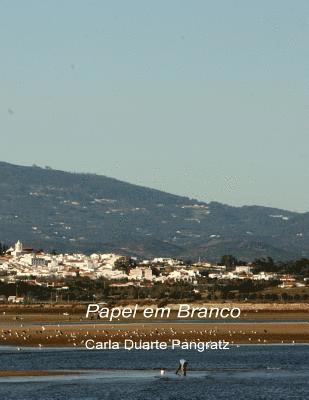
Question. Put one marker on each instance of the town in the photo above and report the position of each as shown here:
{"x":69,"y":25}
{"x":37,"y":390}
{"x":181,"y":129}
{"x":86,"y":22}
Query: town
{"x":27,"y":275}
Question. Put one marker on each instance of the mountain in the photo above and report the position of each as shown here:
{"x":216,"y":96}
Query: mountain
{"x":65,"y":211}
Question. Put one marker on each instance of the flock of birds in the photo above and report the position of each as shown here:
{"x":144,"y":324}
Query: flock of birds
{"x":76,"y":336}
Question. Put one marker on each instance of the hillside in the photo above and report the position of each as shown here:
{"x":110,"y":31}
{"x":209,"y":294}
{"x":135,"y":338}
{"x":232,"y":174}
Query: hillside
{"x":85,"y":212}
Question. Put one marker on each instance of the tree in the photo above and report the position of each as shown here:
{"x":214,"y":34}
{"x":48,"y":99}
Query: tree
{"x":3,"y":248}
{"x":229,"y":261}
{"x":125,"y":263}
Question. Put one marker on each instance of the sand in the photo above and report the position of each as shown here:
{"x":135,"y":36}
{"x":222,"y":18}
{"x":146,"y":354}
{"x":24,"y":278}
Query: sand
{"x":48,"y":329}
{"x":76,"y":335}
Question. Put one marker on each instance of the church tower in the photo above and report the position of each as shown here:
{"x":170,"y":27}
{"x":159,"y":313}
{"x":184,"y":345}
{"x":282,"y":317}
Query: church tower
{"x":18,"y":249}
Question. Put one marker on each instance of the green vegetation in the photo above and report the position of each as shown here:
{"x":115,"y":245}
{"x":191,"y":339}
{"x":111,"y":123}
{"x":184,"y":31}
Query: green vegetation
{"x":90,"y":213}
{"x":3,"y":248}
{"x":298,"y":267}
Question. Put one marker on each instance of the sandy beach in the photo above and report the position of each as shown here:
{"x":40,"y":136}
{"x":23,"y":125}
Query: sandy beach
{"x":259,"y":324}
{"x":264,"y":323}
{"x":76,"y":335}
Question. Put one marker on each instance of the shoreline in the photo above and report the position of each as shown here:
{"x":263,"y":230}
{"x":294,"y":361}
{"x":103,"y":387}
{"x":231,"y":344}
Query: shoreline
{"x":21,"y":326}
{"x":75,"y":335}
{"x":121,"y":347}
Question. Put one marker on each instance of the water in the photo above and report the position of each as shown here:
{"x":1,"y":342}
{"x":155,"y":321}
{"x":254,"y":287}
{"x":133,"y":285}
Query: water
{"x":262,"y":372}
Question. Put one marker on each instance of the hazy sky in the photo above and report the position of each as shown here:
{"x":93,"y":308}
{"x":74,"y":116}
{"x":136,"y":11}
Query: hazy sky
{"x":208,"y":99}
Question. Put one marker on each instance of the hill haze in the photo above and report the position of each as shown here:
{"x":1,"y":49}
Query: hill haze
{"x":52,"y":209}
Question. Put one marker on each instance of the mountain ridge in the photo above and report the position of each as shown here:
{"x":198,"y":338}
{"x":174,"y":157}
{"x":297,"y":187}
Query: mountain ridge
{"x":69,"y":211}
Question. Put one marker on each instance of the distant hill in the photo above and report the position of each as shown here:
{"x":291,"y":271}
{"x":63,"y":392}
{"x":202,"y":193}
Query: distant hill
{"x":52,"y":209}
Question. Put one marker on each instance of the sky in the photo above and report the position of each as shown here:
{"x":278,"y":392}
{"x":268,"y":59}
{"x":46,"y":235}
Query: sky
{"x":207,"y":99}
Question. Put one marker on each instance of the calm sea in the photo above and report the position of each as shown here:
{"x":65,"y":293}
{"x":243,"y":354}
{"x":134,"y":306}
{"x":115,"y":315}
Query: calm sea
{"x":246,"y":372}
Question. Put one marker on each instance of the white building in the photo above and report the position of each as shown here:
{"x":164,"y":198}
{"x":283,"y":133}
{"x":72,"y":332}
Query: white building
{"x":141,"y":273}
{"x":18,"y":249}
{"x":243,"y":269}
